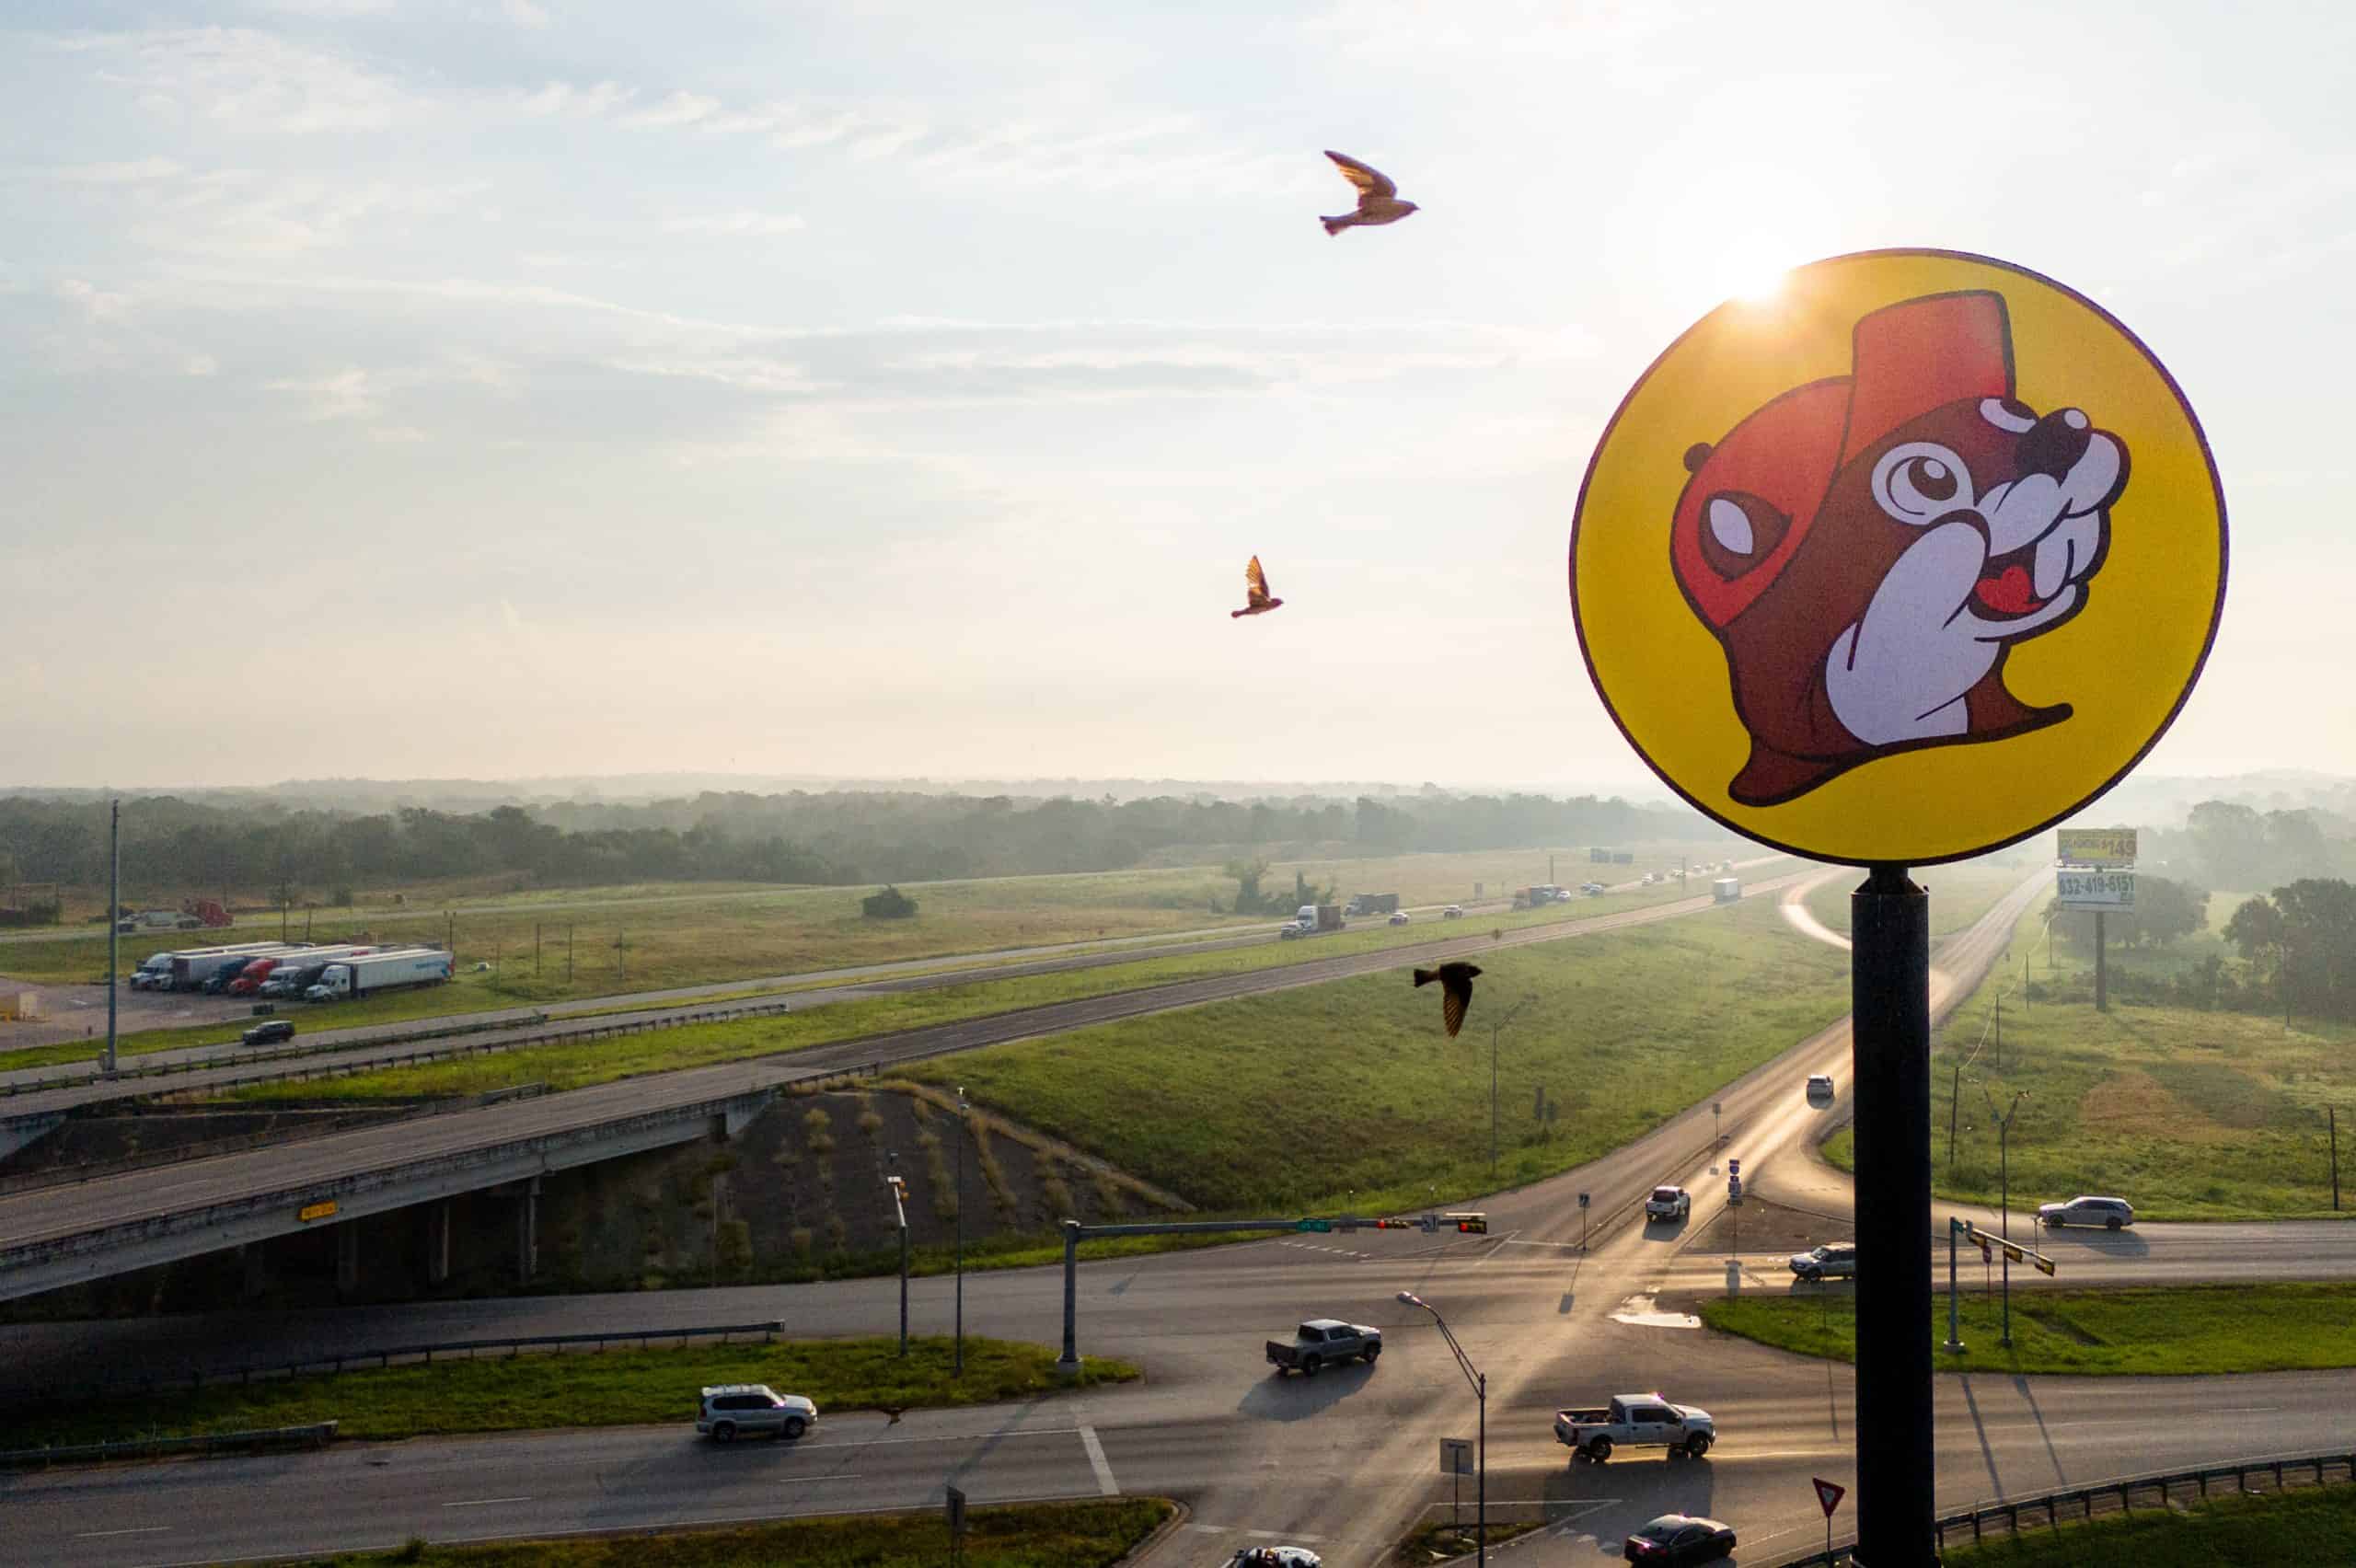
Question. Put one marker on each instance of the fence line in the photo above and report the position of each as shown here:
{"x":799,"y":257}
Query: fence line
{"x":2158,"y":1489}
{"x":354,"y":1360}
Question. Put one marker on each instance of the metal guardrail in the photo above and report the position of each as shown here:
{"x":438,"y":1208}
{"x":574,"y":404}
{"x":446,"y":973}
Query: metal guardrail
{"x":411,"y":1059}
{"x":355,"y":1360}
{"x":316,"y":1436}
{"x":275,"y":1138}
{"x":2158,"y":1489}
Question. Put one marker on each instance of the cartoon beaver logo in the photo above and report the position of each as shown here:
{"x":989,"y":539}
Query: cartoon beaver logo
{"x":1867,"y":548}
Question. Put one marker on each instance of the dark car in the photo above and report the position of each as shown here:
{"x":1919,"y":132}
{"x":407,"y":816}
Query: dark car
{"x":271,"y":1034}
{"x":1678,"y":1539}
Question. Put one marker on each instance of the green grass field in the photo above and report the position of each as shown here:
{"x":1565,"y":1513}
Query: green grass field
{"x":1022,"y":1535}
{"x":2187,"y":1114}
{"x":574,"y":1066}
{"x":2311,"y":1525}
{"x":1960,"y":894}
{"x":2243,"y":1327}
{"x":1347,"y":1095}
{"x":673,"y":939}
{"x":619,"y":1388}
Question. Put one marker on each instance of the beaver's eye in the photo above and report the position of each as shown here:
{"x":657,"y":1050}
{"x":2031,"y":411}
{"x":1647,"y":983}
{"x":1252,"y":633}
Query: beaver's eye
{"x":1920,"y":481}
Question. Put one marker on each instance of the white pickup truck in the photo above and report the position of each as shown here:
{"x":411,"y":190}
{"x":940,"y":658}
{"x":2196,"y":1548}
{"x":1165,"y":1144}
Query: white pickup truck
{"x":1635,"y":1420}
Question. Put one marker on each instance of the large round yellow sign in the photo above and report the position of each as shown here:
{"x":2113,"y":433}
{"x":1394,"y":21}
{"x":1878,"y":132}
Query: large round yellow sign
{"x":1906,"y":561}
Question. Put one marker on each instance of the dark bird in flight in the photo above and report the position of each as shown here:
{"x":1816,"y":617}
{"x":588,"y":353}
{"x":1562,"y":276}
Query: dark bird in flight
{"x":1455,"y":991}
{"x":1377,"y":197}
{"x":1256,"y":600}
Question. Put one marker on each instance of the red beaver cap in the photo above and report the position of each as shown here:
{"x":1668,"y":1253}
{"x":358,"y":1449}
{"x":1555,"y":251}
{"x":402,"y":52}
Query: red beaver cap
{"x":1907,"y":359}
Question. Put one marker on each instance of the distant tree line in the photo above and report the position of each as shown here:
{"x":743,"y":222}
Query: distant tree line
{"x":832,"y":839}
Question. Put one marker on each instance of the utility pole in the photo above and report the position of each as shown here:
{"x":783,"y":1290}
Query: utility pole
{"x":568,"y":957}
{"x":535,"y":950}
{"x":2102,"y":985}
{"x":1494,"y":1027}
{"x":114,"y":919}
{"x":2005,"y":1180}
{"x":960,"y":1367}
{"x":621,"y":965}
{"x":1955,"y":1095}
{"x":2333,"y":1111}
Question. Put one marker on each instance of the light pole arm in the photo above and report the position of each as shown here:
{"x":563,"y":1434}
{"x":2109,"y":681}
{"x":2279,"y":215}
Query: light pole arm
{"x":1464,"y":1362}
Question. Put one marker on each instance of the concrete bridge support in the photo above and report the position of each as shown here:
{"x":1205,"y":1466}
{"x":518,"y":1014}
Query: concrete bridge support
{"x":437,"y":1242}
{"x":347,"y":1257}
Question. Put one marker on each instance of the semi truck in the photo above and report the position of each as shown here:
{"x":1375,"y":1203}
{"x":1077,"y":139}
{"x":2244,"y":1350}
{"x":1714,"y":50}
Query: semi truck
{"x":1310,"y":920}
{"x":296,"y":973}
{"x":1726,"y":890}
{"x":191,"y":967}
{"x":1373,"y":903}
{"x":351,"y":978}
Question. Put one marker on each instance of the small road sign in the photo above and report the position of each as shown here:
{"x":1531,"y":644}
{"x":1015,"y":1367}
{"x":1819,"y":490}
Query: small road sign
{"x":1828,"y":1495}
{"x":1456,"y":1455}
{"x":1582,"y":1200}
{"x":956,"y":1504}
{"x":1734,"y":1167}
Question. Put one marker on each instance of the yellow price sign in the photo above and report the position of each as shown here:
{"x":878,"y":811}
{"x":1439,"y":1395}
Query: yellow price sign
{"x":310,"y":1212}
{"x":1909,"y":561}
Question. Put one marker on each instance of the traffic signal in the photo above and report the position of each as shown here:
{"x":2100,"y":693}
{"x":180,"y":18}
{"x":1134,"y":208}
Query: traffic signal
{"x":2045,"y":1265}
{"x":1471,"y":1223}
{"x":1394,"y":1225}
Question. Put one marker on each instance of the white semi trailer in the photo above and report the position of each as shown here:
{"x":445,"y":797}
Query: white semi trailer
{"x":356,"y":977}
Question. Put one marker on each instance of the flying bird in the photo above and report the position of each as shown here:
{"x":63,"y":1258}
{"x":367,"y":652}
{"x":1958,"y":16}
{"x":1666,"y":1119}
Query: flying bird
{"x":1257,"y":599}
{"x":1377,"y":197}
{"x":1455,"y":991}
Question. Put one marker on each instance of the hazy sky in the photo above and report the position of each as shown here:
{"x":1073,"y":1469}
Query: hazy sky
{"x":516,"y":386}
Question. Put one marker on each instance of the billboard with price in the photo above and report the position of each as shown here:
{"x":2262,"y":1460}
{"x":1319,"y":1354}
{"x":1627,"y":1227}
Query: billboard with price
{"x":2095,"y":845}
{"x":2094,"y":890}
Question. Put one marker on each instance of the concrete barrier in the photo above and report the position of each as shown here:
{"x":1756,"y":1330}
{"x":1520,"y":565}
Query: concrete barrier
{"x":316,"y":1436}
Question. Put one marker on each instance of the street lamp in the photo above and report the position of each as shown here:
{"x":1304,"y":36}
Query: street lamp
{"x":959,"y":1367}
{"x":900,"y":1207}
{"x":1481,"y":1392}
{"x":1495,"y":1025}
{"x":2004,"y":1190}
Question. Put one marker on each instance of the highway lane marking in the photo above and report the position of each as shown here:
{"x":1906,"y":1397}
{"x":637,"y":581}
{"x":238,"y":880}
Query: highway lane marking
{"x":1096,"y":1462}
{"x":484,"y":1501}
{"x":145,"y":1529}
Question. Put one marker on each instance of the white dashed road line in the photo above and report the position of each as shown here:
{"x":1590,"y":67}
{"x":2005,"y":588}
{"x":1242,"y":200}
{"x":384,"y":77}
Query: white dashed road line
{"x":1096,"y":1462}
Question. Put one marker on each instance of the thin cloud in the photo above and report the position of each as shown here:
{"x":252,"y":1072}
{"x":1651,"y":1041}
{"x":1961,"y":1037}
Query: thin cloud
{"x":745,"y":223}
{"x":679,"y":109}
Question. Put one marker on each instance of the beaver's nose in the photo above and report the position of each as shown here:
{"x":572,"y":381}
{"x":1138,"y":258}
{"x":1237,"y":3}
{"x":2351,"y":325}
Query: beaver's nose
{"x":2055,"y":442}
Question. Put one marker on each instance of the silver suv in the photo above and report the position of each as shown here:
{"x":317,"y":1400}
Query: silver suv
{"x":731,"y":1408}
{"x":1836,"y":1260}
{"x":2109,"y":1211}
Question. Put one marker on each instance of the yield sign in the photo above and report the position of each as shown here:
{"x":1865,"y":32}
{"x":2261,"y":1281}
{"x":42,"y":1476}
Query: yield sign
{"x":1829,"y":1495}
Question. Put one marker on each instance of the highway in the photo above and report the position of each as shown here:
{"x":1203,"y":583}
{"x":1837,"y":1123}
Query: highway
{"x":135,"y":1197}
{"x":812,"y":990}
{"x":1344,"y":1462}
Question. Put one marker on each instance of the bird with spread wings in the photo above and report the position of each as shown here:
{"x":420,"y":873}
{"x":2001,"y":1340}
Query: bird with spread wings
{"x":1378,"y":200}
{"x":1256,"y":598}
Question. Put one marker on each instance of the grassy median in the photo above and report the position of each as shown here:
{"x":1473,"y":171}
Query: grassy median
{"x":617,"y":1388}
{"x":2212,"y":1328}
{"x":1347,"y":1095}
{"x":2310,"y":1526}
{"x":695,"y":1045}
{"x":1022,"y":1535}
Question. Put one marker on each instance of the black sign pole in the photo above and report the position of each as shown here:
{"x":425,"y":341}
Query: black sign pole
{"x":1890,"y":997}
